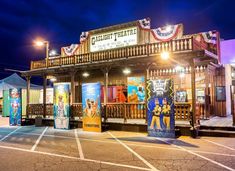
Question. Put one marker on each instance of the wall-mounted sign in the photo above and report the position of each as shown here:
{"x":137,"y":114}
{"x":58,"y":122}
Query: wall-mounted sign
{"x":113,"y":39}
{"x":220,"y":93}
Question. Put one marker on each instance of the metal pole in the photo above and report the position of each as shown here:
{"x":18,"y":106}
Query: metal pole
{"x":47,"y":52}
{"x":72,"y":87}
{"x":44,"y":95}
{"x":28,"y":95}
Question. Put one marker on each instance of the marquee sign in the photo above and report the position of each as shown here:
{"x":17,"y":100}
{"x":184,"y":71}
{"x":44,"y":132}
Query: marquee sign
{"x":113,"y":39}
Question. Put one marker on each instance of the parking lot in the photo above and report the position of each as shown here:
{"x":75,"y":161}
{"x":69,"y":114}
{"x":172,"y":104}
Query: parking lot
{"x":46,"y":148}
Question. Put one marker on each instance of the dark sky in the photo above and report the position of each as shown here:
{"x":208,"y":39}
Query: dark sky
{"x":62,"y":21}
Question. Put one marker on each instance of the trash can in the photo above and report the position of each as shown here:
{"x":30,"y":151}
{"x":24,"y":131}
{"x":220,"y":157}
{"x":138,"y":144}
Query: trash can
{"x":38,"y":121}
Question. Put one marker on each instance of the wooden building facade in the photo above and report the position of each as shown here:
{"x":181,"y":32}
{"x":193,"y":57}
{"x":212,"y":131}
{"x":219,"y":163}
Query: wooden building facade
{"x":139,"y":48}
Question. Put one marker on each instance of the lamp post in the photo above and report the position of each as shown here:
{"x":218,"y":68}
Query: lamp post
{"x":46,"y":44}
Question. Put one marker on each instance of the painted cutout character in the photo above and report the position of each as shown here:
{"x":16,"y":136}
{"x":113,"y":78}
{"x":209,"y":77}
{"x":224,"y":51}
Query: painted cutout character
{"x":15,"y":105}
{"x":91,"y":108}
{"x":61,"y":107}
{"x":166,"y":108}
{"x":156,"y":115}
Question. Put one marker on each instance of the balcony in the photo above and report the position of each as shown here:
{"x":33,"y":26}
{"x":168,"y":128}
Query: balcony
{"x":179,"y":45}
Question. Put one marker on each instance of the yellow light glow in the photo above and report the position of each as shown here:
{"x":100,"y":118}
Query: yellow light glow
{"x":85,"y":74}
{"x":39,"y":43}
{"x":126,"y":71}
{"x":165,"y":55}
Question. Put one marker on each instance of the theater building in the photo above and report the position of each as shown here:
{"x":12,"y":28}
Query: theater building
{"x":130,"y":54}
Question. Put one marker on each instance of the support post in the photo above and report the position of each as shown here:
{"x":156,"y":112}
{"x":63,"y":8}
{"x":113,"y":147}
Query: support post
{"x":72,"y":87}
{"x":106,"y":81}
{"x":146,"y":105}
{"x":194,"y":128}
{"x":44,"y":95}
{"x":28,"y":95}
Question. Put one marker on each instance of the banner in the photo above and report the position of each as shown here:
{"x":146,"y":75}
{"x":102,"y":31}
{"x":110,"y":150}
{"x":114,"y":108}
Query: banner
{"x":168,"y":33}
{"x":210,"y":37}
{"x":84,"y":36}
{"x":15,"y":106}
{"x":144,"y":23}
{"x":91,"y":107}
{"x":160,"y":104}
{"x":69,"y":50}
{"x":61,"y":105}
{"x":135,"y":89}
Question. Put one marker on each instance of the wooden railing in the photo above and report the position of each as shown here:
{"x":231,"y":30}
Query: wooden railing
{"x":113,"y":110}
{"x":186,"y":44}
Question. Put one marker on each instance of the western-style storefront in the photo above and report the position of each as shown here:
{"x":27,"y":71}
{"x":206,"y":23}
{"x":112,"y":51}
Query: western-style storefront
{"x":198,"y":75}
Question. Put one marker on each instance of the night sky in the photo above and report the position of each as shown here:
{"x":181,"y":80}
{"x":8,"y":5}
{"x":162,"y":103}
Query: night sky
{"x":62,"y":21}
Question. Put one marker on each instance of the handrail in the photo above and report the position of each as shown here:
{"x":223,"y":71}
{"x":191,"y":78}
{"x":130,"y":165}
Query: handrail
{"x":178,"y":45}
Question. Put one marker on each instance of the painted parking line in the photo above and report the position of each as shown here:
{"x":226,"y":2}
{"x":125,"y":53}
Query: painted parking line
{"x":130,"y":144}
{"x":12,"y":132}
{"x":198,"y":155}
{"x":218,"y":144}
{"x":38,"y":140}
{"x":133,"y":152}
{"x":79,"y":144}
{"x":75,"y":158}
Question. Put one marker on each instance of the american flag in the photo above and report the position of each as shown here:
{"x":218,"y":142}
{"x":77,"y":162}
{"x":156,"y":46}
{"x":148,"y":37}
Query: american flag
{"x":210,"y":37}
{"x":83,"y":36}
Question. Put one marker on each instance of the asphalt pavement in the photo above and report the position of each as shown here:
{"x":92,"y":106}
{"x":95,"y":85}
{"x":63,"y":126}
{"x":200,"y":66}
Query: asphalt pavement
{"x":45,"y":148}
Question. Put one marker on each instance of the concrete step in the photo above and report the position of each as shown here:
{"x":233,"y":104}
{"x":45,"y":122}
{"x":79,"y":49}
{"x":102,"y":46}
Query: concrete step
{"x":223,"y":128}
{"x":216,"y":133}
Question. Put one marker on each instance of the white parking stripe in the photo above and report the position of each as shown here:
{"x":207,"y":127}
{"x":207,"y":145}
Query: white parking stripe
{"x":198,"y":155}
{"x":38,"y":140}
{"x":10,"y":134}
{"x":75,"y":158}
{"x":79,"y":144}
{"x":221,"y":145}
{"x":132,"y":151}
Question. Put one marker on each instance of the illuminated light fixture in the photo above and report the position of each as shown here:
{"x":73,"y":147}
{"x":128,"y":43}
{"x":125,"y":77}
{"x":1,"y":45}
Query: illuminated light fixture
{"x":165,"y":55}
{"x":168,"y":28}
{"x":53,"y":79}
{"x":52,"y":53}
{"x":126,"y":71}
{"x":39,"y":43}
{"x":179,"y":68}
{"x":182,"y":75}
{"x":85,"y":74}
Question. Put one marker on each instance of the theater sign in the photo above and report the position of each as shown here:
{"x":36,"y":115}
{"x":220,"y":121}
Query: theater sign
{"x":113,"y":39}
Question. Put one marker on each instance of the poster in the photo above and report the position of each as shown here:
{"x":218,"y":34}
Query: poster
{"x":91,"y":107}
{"x":181,"y":96}
{"x":136,"y":89}
{"x":61,"y":105}
{"x":160,"y":104}
{"x":15,"y":106}
{"x":220,"y":93}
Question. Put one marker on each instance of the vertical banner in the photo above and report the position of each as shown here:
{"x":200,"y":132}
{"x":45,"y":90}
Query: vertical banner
{"x":135,"y":89}
{"x":61,"y":105}
{"x":15,"y":106}
{"x":160,"y":103}
{"x":91,"y":107}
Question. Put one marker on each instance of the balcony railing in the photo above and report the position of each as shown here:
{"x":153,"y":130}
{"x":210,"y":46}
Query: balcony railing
{"x":178,"y":45}
{"x":123,"y":111}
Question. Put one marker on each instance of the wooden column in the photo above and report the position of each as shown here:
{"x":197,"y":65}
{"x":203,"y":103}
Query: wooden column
{"x":193,"y":89}
{"x":72,"y":87}
{"x":44,"y":95}
{"x":28,"y":95}
{"x":106,"y":82}
{"x":146,"y":102}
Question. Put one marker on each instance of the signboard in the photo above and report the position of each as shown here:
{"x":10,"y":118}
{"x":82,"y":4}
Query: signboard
{"x":160,"y":104}
{"x":135,"y":89}
{"x":91,"y":107}
{"x":61,"y":105}
{"x":113,"y":39}
{"x":220,"y":93}
{"x":15,"y":106}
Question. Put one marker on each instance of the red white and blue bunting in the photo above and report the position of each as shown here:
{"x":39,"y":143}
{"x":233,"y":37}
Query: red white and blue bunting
{"x":210,"y":37}
{"x":145,"y":23}
{"x":166,"y":33}
{"x":70,"y":50}
{"x":84,"y":36}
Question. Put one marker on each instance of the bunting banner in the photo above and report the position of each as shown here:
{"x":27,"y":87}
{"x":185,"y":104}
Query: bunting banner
{"x":70,"y":50}
{"x":210,"y":37}
{"x":84,"y":36}
{"x":160,"y":105}
{"x":145,"y":23}
{"x":168,"y":32}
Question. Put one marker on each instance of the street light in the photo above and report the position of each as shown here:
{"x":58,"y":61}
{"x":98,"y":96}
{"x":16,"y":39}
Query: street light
{"x":52,"y":52}
{"x":42,"y":43}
